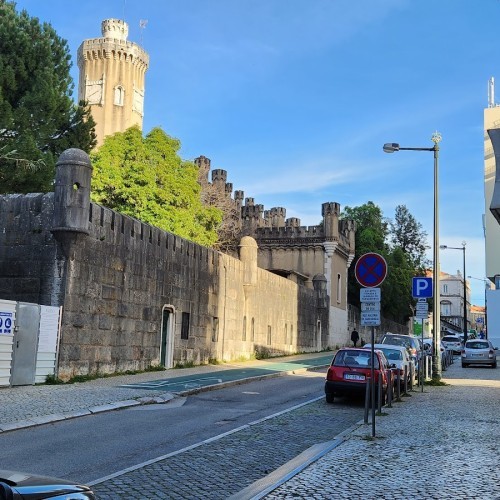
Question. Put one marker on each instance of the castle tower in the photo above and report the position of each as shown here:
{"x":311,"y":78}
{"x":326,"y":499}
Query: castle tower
{"x":112,"y":74}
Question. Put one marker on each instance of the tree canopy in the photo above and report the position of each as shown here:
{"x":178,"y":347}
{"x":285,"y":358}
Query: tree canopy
{"x":144,"y":177}
{"x":402,"y":242}
{"x":38,"y":119}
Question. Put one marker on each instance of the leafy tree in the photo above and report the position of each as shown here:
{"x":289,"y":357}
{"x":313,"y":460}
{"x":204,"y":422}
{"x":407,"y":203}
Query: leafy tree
{"x":371,"y":235}
{"x":407,"y":233}
{"x":38,"y":119}
{"x":396,"y":288}
{"x":145,"y":178}
{"x":372,"y":228}
{"x":404,"y":257}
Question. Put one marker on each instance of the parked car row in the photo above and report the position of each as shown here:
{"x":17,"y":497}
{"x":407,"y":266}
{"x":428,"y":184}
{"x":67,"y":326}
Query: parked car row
{"x":395,"y":357}
{"x":395,"y":354}
{"x":351,"y":370}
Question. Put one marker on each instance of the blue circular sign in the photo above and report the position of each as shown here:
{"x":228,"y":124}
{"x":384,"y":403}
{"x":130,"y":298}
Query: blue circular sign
{"x":371,"y":269}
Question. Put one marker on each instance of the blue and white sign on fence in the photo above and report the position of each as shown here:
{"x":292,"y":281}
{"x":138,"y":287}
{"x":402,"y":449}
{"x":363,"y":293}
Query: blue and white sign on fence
{"x":421,"y":288}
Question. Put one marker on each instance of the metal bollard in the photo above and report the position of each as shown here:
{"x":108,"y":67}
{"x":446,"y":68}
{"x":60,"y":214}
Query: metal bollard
{"x":406,"y":380}
{"x":398,"y":386}
{"x":390,"y":387}
{"x":367,"y":400}
{"x":412,"y":378}
{"x":380,"y":393}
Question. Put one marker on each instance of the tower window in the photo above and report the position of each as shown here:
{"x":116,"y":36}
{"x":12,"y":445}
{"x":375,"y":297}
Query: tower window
{"x":119,"y":95}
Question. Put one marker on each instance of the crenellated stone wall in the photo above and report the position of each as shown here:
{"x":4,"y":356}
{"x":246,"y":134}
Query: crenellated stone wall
{"x":297,"y":252}
{"x":116,"y":276}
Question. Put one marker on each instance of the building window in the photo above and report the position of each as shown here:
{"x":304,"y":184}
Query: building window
{"x":244,"y":336}
{"x":445,"y":288}
{"x":119,"y":95}
{"x":268,"y":334}
{"x":215,"y":329}
{"x":446,"y":308}
{"x":185,"y":326}
{"x":339,"y":289}
{"x":286,"y":333}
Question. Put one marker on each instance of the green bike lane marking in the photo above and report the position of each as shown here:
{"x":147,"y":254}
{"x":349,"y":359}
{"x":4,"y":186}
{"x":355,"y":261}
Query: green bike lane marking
{"x":189,"y":382}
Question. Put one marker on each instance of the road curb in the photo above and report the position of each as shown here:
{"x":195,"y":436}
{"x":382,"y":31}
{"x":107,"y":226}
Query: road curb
{"x":145,"y":400}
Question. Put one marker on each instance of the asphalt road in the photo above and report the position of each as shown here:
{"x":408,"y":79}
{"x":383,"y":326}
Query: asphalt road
{"x":95,"y":446}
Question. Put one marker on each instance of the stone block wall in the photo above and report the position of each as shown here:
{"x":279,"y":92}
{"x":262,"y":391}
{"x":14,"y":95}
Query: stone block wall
{"x":113,"y":275}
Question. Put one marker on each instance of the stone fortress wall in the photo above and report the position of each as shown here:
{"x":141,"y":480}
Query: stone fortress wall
{"x":294,"y":251}
{"x":116,"y":277}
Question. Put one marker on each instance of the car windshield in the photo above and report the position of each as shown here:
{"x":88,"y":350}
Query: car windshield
{"x":397,"y":341}
{"x":450,"y":339}
{"x":392,"y":354}
{"x":354,"y":358}
{"x":477,"y":345}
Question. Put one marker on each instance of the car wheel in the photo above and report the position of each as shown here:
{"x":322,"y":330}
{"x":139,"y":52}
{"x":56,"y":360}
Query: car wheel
{"x":494,"y":365}
{"x":464,"y":365}
{"x":329,"y":397}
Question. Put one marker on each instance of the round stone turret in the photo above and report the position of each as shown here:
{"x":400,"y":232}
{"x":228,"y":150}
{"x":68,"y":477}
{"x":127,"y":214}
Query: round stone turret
{"x":114,"y":28}
{"x":248,"y":255}
{"x":72,"y":192}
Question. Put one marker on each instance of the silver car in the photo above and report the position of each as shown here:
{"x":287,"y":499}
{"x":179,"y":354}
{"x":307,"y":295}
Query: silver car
{"x":479,"y":352}
{"x":399,"y":357}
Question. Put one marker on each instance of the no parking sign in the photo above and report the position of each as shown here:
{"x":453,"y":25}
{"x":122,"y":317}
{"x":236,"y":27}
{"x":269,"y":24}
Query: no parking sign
{"x":371,"y":269}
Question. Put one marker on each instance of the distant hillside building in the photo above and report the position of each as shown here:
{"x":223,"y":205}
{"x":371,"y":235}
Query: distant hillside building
{"x":452,"y":302}
{"x":112,"y":76}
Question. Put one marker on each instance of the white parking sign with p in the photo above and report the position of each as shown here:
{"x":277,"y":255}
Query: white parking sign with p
{"x":422,"y":288}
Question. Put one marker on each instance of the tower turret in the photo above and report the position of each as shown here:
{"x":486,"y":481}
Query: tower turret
{"x":331,"y":212}
{"x":203,"y":164}
{"x":112,"y":79}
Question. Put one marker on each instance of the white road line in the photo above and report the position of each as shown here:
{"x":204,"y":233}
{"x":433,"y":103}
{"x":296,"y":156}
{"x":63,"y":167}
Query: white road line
{"x":201,"y":443}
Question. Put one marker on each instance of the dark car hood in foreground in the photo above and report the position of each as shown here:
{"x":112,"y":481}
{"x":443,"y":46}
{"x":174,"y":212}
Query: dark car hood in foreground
{"x":32,"y":487}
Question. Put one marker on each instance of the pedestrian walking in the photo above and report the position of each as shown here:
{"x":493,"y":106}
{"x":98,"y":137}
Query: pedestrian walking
{"x":354,"y":336}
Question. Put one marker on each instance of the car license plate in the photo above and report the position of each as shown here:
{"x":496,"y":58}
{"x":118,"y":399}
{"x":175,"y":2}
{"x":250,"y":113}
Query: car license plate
{"x":477,"y":355}
{"x":353,"y":376}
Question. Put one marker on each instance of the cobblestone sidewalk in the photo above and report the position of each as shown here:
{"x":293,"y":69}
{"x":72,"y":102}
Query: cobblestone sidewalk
{"x":440,"y":444}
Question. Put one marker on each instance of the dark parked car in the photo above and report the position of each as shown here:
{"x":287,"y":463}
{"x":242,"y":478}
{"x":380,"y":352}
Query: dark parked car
{"x":21,"y":486}
{"x":351,"y":369}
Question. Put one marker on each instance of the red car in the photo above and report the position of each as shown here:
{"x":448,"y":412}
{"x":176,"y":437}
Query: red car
{"x":350,"y":370}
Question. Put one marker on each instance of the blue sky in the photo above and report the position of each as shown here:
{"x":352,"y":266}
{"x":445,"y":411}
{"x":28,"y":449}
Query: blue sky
{"x":295,"y":98}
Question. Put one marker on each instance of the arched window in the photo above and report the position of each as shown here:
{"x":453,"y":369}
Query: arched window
{"x":119,"y":95}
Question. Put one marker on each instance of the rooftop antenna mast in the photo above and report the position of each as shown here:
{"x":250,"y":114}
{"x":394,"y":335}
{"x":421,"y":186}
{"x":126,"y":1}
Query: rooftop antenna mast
{"x":142,"y":25}
{"x":491,"y":93}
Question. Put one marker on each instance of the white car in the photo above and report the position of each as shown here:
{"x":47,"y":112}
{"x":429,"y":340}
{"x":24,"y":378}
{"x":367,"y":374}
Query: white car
{"x":452,"y":342}
{"x":399,"y":357}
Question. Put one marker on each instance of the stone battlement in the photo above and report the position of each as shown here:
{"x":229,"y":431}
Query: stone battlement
{"x":272,"y":224}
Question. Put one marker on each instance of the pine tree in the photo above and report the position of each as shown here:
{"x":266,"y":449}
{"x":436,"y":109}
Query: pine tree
{"x":38,"y":119}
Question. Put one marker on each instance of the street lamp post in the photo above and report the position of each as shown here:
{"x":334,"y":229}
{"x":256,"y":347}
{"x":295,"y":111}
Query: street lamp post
{"x":444,"y":247}
{"x":392,"y":147}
